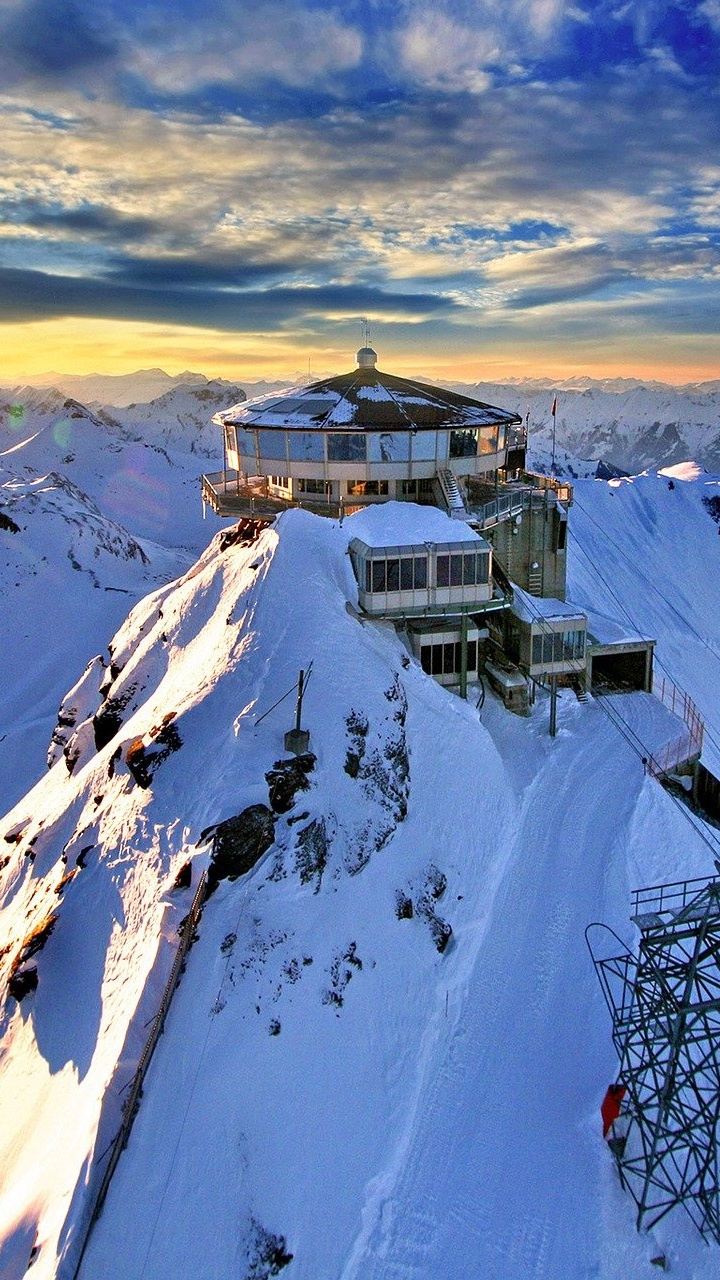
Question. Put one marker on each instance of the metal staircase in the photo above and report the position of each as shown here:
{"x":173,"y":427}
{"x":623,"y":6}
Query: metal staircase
{"x":452,"y":496}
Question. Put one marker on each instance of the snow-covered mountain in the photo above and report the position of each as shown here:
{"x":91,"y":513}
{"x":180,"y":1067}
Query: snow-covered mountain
{"x":116,"y":389}
{"x":388,"y":1049}
{"x":635,"y":428}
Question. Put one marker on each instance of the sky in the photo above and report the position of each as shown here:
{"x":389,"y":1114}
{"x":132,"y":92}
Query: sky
{"x":504,"y":188}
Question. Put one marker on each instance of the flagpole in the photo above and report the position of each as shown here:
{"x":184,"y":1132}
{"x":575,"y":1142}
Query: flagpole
{"x":554,"y":415}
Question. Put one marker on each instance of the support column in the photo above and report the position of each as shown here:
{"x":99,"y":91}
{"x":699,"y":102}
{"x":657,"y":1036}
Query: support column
{"x":463,"y":655}
{"x":553,"y":706}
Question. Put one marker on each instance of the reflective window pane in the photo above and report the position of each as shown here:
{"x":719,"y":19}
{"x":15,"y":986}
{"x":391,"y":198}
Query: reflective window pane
{"x":464,"y":443}
{"x":420,"y":572}
{"x":305,"y":446}
{"x":393,"y":575}
{"x":246,"y":442}
{"x":456,"y":571}
{"x":345,"y":447}
{"x":406,"y":574}
{"x":443,"y":571}
{"x":272,"y":444}
{"x":389,"y":446}
{"x":423,"y":444}
{"x":378,"y":575}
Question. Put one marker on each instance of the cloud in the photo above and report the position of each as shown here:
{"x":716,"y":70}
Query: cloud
{"x":288,"y":42}
{"x":52,"y":39}
{"x":84,"y":220}
{"x":32,"y":295}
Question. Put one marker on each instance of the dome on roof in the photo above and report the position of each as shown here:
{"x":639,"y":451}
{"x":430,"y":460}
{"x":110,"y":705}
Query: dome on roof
{"x":366,"y":358}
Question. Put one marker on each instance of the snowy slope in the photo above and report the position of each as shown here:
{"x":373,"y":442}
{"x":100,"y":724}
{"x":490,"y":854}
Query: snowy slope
{"x":329,"y":1080}
{"x":646,"y":550}
{"x":68,"y":575}
{"x":144,"y":473}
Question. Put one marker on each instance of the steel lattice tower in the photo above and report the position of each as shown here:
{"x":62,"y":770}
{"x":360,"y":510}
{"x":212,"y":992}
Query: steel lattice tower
{"x":665,"y":1006}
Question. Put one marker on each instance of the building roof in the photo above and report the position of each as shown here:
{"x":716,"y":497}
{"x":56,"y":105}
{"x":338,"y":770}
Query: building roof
{"x":365,"y":400}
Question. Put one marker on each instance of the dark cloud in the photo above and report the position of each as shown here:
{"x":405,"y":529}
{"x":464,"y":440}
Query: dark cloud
{"x":52,"y":39}
{"x":192,"y":273}
{"x":88,"y":221}
{"x":34,"y":295}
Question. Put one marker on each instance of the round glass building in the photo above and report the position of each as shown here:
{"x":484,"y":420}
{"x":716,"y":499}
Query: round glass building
{"x":361,"y":437}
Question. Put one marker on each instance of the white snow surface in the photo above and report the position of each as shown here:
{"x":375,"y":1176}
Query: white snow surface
{"x":326,"y":1074}
{"x":389,"y":524}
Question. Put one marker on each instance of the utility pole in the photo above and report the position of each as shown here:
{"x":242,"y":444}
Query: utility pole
{"x":297,"y":740}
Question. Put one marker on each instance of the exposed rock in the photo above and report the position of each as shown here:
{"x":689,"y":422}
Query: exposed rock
{"x":108,"y":720}
{"x":288,"y":777}
{"x":23,"y":983}
{"x":183,"y":879}
{"x":144,"y":759}
{"x":243,"y":533}
{"x":313,"y":845}
{"x":239,"y":842}
{"x":6,"y":522}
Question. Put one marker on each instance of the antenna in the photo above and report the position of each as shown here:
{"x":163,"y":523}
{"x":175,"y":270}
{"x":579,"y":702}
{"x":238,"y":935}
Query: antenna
{"x":365,"y":331}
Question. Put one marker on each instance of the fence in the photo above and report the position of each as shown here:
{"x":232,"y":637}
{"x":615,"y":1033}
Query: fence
{"x":688,"y":745}
{"x":132,"y":1101}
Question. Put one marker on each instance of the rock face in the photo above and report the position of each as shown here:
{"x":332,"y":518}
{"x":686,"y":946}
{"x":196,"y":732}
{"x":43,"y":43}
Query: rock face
{"x":288,"y":777}
{"x":239,"y":842}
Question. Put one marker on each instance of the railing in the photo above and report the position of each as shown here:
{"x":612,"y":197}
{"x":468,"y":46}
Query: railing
{"x":132,"y":1102}
{"x":687,"y":746}
{"x":660,"y":899}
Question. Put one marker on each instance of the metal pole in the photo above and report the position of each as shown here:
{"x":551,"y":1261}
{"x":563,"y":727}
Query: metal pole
{"x":553,"y":706}
{"x":463,"y":655}
{"x":300,"y":691}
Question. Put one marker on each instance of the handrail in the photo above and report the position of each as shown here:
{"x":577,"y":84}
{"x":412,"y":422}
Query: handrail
{"x":686,"y":747}
{"x":132,"y":1102}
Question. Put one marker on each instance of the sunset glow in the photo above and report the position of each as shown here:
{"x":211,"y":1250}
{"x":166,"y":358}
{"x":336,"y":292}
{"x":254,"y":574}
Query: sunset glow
{"x":525,"y":190}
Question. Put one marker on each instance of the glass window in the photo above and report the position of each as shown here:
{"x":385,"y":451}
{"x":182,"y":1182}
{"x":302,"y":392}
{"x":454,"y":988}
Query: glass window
{"x":437,"y":660}
{"x":420,"y":572}
{"x":306,"y":446}
{"x":378,"y":575}
{"x":472,"y":655}
{"x":246,"y":442}
{"x":483,"y":566}
{"x":448,"y":659}
{"x":412,"y":488}
{"x":368,"y":488}
{"x":426,"y":658}
{"x":423,"y":445}
{"x":406,"y":574}
{"x":345,"y":447}
{"x":389,"y":446}
{"x":272,"y":444}
{"x":456,"y":571}
{"x":464,"y":443}
{"x":442,"y":571}
{"x":537,"y":650}
{"x":393,"y":575}
{"x":313,"y":486}
{"x":469,"y":569}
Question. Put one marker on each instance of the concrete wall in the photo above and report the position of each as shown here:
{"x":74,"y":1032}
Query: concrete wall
{"x":533,"y":553}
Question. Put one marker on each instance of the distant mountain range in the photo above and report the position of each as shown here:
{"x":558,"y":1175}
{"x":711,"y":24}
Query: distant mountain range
{"x":626,"y":424}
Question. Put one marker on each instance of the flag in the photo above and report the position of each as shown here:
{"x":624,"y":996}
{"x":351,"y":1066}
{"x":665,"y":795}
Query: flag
{"x":554,"y":408}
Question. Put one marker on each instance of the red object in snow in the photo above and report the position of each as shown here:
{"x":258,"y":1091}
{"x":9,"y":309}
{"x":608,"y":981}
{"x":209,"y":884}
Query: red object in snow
{"x":610,"y":1109}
